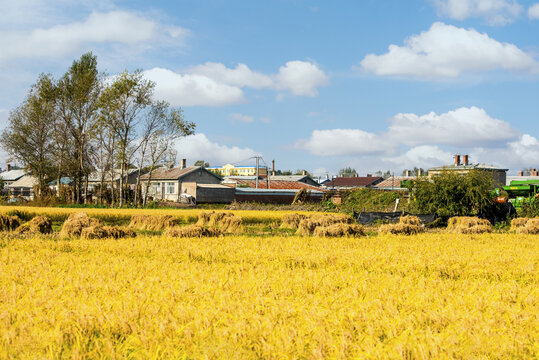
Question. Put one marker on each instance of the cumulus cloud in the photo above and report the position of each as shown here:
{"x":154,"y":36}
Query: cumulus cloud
{"x":495,"y":12}
{"x":345,"y":142}
{"x":192,"y":89}
{"x":461,"y":127}
{"x":446,"y":51}
{"x":213,"y":84}
{"x":240,"y":76}
{"x":533,"y":11}
{"x":112,"y":27}
{"x":247,"y":119}
{"x":199,"y":147}
{"x":301,"y":78}
{"x":422,"y":135}
{"x":423,"y":156}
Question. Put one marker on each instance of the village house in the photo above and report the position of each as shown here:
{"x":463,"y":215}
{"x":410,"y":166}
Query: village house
{"x":186,"y":184}
{"x":9,"y":176}
{"x":340,"y":183}
{"x":23,"y":187}
{"x":94,"y":179}
{"x":499,"y":175}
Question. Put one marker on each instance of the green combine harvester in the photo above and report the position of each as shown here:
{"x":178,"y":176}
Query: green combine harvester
{"x":520,"y":193}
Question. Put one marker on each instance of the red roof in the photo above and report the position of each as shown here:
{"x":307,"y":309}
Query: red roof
{"x":354,"y":181}
{"x":393,"y":181}
{"x":277,"y":184}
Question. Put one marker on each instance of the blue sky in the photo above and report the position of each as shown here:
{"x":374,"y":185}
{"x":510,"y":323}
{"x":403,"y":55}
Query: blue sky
{"x":316,"y":85}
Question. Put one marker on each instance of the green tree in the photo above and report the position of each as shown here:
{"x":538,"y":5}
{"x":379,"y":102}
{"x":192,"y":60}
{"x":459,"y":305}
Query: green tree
{"x":347,"y":172}
{"x":453,"y":194}
{"x":202,"y":163}
{"x":78,"y":94}
{"x":28,"y":137}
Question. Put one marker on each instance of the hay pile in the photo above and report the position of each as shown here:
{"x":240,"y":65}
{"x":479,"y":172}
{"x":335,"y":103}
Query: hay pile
{"x":191,"y":231}
{"x":525,"y":225}
{"x":225,"y":222}
{"x":468,"y":225}
{"x":152,"y":222}
{"x":407,"y":225}
{"x":38,"y":225}
{"x":308,"y":225}
{"x":337,"y":230}
{"x":291,"y":221}
{"x":9,"y":223}
{"x":76,"y":222}
{"x":101,"y":232}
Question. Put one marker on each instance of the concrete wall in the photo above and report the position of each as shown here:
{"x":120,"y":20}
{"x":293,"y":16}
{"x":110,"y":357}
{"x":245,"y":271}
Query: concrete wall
{"x":201,"y":177}
{"x":221,"y":194}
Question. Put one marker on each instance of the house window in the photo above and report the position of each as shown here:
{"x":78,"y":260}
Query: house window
{"x":170,"y":188}
{"x":155,"y":188}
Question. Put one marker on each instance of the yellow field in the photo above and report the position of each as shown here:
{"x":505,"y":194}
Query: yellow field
{"x":188,"y":215}
{"x":237,"y":297}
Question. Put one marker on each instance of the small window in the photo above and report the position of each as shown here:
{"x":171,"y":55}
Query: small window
{"x":155,"y":188}
{"x":170,"y":188}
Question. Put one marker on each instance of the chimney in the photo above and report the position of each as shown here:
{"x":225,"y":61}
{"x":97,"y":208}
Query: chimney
{"x":369,"y":175}
{"x":304,"y":172}
{"x":8,"y":167}
{"x":457,"y":160}
{"x":521,"y":173}
{"x":465,"y":159}
{"x":183,"y":164}
{"x":272,"y":167}
{"x":407,"y":173}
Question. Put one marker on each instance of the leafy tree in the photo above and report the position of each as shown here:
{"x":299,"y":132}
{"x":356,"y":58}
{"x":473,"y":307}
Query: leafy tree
{"x":202,"y":163}
{"x":453,"y":194}
{"x":78,"y":94}
{"x":28,"y":137}
{"x":347,"y":172}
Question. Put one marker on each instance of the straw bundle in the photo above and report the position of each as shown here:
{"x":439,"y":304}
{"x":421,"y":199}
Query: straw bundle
{"x":152,"y":222}
{"x":518,"y":222}
{"x":191,"y":231}
{"x":291,"y":221}
{"x":76,"y":222}
{"x":8,"y":223}
{"x":204,"y":218}
{"x":410,"y":220}
{"x":38,"y":225}
{"x":468,"y":225}
{"x":400,"y":228}
{"x":338,"y":230}
{"x":308,"y":225}
{"x":102,"y":232}
{"x":231,"y":224}
{"x":530,"y":227}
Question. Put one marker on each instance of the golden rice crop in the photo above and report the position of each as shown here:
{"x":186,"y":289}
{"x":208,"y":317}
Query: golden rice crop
{"x":291,"y":221}
{"x":38,"y":225}
{"x":468,"y":225}
{"x":101,"y":232}
{"x":430,"y":296}
{"x":152,"y":222}
{"x":76,"y":222}
{"x":191,"y":231}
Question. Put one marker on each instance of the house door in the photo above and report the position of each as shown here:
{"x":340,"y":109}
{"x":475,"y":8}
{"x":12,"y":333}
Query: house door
{"x":162,"y":190}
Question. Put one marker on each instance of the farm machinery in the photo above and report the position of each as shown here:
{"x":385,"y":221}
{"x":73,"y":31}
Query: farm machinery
{"x":520,"y":193}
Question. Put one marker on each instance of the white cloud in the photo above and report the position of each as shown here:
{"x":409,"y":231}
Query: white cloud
{"x":533,"y":11}
{"x":192,"y":89}
{"x":446,"y":51}
{"x":242,"y":118}
{"x":461,"y":127}
{"x":112,"y":27}
{"x":496,"y":12}
{"x":423,"y":156}
{"x":240,"y":76}
{"x":199,"y":147}
{"x":213,"y":84}
{"x":301,"y":78}
{"x":344,"y":142}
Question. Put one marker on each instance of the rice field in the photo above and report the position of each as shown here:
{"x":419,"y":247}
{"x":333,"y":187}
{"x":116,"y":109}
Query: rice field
{"x":234,"y":296}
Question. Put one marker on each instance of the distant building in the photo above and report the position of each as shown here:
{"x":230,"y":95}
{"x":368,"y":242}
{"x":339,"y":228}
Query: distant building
{"x":392,"y":182}
{"x":273,"y":182}
{"x":94,"y":179}
{"x":353,"y":182}
{"x":9,"y":176}
{"x":499,"y":175}
{"x":23,"y":187}
{"x":193,"y":182}
{"x":232,"y":170}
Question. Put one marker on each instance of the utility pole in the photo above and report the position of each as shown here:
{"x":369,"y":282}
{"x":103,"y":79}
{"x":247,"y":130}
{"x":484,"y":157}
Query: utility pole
{"x":257,"y":159}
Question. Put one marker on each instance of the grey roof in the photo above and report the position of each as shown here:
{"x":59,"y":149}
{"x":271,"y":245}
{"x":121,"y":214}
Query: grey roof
{"x":12,"y":175}
{"x":289,"y":177}
{"x":174,"y":173}
{"x":274,"y":191}
{"x":27,"y":181}
{"x":96,"y":175}
{"x":468,"y":167}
